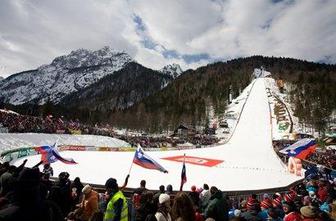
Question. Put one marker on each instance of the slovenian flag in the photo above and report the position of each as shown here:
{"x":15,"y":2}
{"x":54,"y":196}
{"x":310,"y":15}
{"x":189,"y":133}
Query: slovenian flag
{"x":183,"y":174}
{"x":301,"y":149}
{"x":49,"y":154}
{"x":143,"y":160}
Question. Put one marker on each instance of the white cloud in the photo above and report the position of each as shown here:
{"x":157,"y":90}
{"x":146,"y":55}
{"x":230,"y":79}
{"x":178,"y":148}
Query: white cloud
{"x":33,"y":32}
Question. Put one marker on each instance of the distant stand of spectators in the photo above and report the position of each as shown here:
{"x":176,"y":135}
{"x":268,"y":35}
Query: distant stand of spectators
{"x":16,"y":123}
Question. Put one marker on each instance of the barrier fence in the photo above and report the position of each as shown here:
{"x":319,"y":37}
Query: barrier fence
{"x":17,"y":153}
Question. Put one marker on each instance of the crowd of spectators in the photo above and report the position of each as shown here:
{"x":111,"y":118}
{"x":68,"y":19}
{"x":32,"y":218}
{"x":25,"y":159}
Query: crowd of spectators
{"x":28,"y":194}
{"x":16,"y":123}
{"x":169,"y":141}
{"x":326,"y":157}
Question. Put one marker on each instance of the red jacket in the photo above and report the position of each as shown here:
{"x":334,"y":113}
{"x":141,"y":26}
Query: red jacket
{"x":293,"y":216}
{"x":322,"y":193}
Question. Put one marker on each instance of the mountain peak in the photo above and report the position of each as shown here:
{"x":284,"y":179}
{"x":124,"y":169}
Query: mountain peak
{"x":66,"y":74}
{"x":85,"y":58}
{"x":173,"y":70}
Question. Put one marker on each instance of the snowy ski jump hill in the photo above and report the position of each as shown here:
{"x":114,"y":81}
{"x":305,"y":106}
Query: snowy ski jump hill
{"x":246,"y":162}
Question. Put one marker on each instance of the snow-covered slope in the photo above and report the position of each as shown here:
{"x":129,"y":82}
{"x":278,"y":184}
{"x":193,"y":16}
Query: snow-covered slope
{"x":10,"y":141}
{"x":247,"y":161}
{"x":173,"y":70}
{"x":66,"y":74}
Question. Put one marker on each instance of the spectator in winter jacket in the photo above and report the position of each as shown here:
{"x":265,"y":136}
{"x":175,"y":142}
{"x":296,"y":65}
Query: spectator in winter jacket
{"x":76,"y":191}
{"x":322,"y":192}
{"x":28,"y":203}
{"x":252,"y":210}
{"x":217,"y":208}
{"x":7,"y":180}
{"x":183,"y":208}
{"x":89,"y":205}
{"x":205,"y":196}
{"x":157,"y":195}
{"x":47,"y":169}
{"x":117,"y":208}
{"x":163,"y":212}
{"x":194,"y":196}
{"x":61,"y":193}
{"x":265,"y":205}
{"x":147,"y":207}
{"x":309,"y":213}
{"x":273,"y":215}
{"x":291,"y":212}
{"x":136,"y":199}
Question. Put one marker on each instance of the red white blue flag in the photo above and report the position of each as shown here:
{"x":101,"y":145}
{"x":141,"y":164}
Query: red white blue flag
{"x":143,"y":160}
{"x":49,"y":154}
{"x":301,"y":149}
{"x":183,"y":175}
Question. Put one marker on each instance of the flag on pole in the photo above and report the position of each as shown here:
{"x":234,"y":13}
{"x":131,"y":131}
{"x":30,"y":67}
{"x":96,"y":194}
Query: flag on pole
{"x":143,"y":160}
{"x":301,"y":149}
{"x":183,"y":175}
{"x":49,"y":154}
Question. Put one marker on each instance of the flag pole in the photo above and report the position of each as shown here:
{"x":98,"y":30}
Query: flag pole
{"x":128,"y":175}
{"x":129,"y":171}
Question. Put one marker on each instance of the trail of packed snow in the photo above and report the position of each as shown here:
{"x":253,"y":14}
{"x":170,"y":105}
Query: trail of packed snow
{"x":249,"y":162}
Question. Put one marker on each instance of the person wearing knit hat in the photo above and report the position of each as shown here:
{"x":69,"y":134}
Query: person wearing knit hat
{"x":87,"y":189}
{"x":278,"y":194}
{"x":277,"y":205}
{"x":289,"y":197}
{"x":163,"y":198}
{"x":117,"y":208}
{"x":277,"y":202}
{"x":291,"y":213}
{"x":265,"y":205}
{"x":89,"y":204}
{"x":309,"y":212}
{"x":252,"y":208}
{"x":163,"y":212}
{"x":252,"y":205}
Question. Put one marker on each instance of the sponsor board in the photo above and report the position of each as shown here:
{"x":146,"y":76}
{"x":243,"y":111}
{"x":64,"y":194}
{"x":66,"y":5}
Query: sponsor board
{"x":74,"y":148}
{"x":103,"y":149}
{"x":195,"y":160}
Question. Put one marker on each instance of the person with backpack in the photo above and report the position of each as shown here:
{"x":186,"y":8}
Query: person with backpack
{"x":163,"y":213}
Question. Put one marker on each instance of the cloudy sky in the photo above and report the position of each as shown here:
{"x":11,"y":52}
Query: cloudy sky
{"x":157,"y":32}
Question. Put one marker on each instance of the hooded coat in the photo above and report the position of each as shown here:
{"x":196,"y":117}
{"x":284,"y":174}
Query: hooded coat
{"x":217,"y":208}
